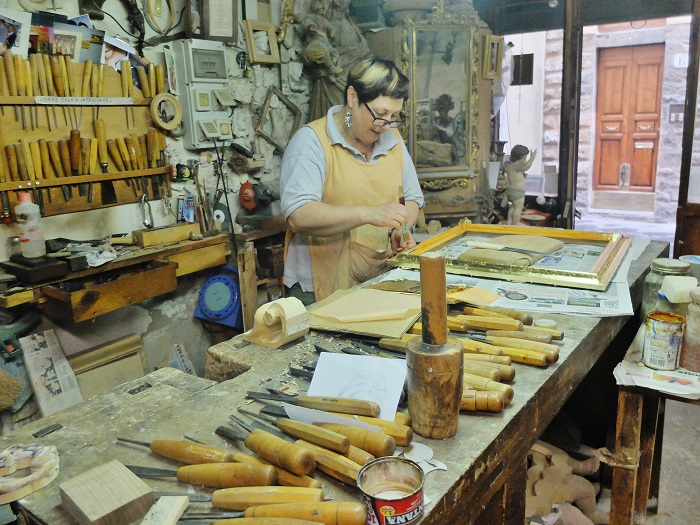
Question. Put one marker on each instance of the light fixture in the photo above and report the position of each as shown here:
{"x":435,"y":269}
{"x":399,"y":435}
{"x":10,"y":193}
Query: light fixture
{"x":553,"y":3}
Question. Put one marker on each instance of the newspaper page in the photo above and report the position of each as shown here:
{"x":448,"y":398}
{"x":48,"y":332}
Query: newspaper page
{"x":542,"y":298}
{"x":632,"y":372}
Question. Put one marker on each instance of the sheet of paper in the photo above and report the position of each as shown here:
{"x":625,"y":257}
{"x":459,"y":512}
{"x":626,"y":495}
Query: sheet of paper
{"x":310,"y":415}
{"x":360,"y":377}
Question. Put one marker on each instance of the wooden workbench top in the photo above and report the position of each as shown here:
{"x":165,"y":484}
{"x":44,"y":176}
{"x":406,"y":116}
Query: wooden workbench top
{"x":486,"y":457}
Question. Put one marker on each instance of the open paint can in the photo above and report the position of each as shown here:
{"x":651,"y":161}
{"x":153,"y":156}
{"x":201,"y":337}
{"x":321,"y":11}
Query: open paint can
{"x":392,"y":490}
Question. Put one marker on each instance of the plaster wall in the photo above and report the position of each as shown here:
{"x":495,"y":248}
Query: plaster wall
{"x":169,"y":319}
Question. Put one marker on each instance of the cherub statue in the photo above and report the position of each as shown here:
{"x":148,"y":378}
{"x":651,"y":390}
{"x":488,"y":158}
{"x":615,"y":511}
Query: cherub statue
{"x":516,"y":167}
{"x":316,"y":30}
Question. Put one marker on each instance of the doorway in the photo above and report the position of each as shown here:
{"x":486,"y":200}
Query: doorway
{"x":628,"y":117}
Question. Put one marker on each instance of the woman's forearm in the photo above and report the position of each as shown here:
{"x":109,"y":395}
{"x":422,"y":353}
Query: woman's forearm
{"x":325,"y":220}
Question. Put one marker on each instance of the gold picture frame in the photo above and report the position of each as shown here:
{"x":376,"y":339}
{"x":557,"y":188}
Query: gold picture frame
{"x":493,"y":57}
{"x":596,"y":277}
{"x":265,"y":127}
{"x":265,"y":32}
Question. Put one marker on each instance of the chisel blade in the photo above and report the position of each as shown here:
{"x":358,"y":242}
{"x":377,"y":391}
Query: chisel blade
{"x":274,"y":410}
{"x":272,"y":397}
{"x":190,"y":495}
{"x":152,"y":472}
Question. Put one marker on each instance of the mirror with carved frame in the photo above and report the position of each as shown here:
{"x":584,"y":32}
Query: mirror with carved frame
{"x":444,"y":67}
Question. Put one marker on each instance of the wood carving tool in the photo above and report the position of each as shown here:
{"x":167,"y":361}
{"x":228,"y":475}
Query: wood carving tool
{"x":557,"y":335}
{"x":69,"y":85}
{"x":5,"y":217}
{"x":40,"y":74}
{"x":241,"y":498}
{"x":371,"y":349}
{"x":507,"y":372}
{"x":11,"y":78}
{"x":332,"y":464}
{"x":327,"y":512}
{"x":184,"y":451}
{"x":477,"y":322}
{"x":109,"y":196}
{"x":132,"y":154}
{"x":160,"y":80}
{"x":375,"y":443}
{"x":475,"y":350}
{"x":470,"y":310}
{"x":21,"y":85}
{"x":515,"y":334}
{"x":38,"y":165}
{"x":85,"y":86}
{"x":32,"y":89}
{"x":3,"y":75}
{"x":405,"y":235}
{"x":129,"y":88}
{"x":152,"y":80}
{"x":299,"y":429}
{"x":114,"y":153}
{"x":481,"y":370}
{"x":143,"y":80}
{"x":76,"y":166}
{"x":58,"y":82}
{"x":64,"y":154}
{"x":85,"y":165}
{"x":273,"y":449}
{"x":402,"y":434}
{"x":550,"y":351}
{"x":482,"y":383}
{"x":523,"y":317}
{"x":481,"y":401}
{"x":216,"y":475}
{"x":336,"y":404}
{"x":50,"y":88}
{"x":479,"y":345}
{"x":125,"y":86}
{"x":124,"y":152}
{"x":284,"y":477}
{"x":501,"y":247}
{"x":12,"y":164}
{"x":99,"y":70}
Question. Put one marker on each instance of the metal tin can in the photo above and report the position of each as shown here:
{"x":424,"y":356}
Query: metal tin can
{"x":663,"y":338}
{"x":392,"y":490}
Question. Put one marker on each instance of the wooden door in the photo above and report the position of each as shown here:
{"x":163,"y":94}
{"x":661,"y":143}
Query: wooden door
{"x":628,"y":117}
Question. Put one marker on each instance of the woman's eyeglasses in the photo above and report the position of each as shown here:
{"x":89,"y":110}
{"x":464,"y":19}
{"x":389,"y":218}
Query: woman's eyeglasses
{"x":381,"y":122}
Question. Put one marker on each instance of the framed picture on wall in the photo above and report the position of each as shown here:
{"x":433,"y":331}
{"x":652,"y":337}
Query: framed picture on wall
{"x":493,"y":57}
{"x":220,"y":20}
{"x":262,"y":42}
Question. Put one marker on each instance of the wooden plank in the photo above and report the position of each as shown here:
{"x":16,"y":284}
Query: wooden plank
{"x":166,"y":511}
{"x":247,"y":280}
{"x":196,"y":260}
{"x":106,"y":495}
{"x":169,"y":234}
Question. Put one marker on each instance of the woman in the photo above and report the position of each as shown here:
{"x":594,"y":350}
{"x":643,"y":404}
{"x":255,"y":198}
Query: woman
{"x":340,"y":183}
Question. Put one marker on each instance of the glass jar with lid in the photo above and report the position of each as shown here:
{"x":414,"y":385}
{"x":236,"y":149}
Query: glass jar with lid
{"x":659,"y":269}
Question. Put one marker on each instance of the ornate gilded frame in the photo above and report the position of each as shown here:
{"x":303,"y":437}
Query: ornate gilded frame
{"x":596,"y":277}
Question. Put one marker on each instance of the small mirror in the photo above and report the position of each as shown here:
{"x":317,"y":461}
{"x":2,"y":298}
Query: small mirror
{"x":442,"y":80}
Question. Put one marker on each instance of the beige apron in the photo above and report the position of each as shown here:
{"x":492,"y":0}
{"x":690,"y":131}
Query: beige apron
{"x":352,"y":257}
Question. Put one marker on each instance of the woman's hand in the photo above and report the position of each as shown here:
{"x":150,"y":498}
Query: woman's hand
{"x":391,"y":215}
{"x":401,"y":240}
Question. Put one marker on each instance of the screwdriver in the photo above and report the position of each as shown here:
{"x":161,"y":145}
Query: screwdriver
{"x":375,"y":443}
{"x":320,"y":436}
{"x":328,"y":512}
{"x":216,"y":475}
{"x":336,"y":404}
{"x":273,"y":449}
{"x":284,"y":477}
{"x":184,"y":451}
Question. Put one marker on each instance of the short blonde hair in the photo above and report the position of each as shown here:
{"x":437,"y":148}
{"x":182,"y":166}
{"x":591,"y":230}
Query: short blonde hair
{"x":376,"y":77}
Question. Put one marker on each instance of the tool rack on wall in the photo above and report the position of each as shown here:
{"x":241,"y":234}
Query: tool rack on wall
{"x":40,"y":124}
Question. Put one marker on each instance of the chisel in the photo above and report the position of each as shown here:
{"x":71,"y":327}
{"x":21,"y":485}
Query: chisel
{"x":125,"y":65}
{"x":124,"y":152}
{"x":2,"y":85}
{"x":50,"y":88}
{"x":375,"y":443}
{"x":482,"y":370}
{"x":21,"y":85}
{"x":284,"y":477}
{"x":501,"y":247}
{"x":99,"y":71}
{"x":85,"y":86}
{"x":483,"y":384}
{"x":527,"y":336}
{"x":4,"y":200}
{"x":476,"y":322}
{"x":12,"y":164}
{"x":557,"y":335}
{"x":507,"y":372}
{"x":273,"y":449}
{"x":184,"y":451}
{"x":299,"y":429}
{"x":403,"y":434}
{"x":481,"y":401}
{"x":160,"y":80}
{"x":109,"y":196}
{"x":32,"y":73}
{"x":69,"y":85}
{"x":550,"y":351}
{"x":215,"y":475}
{"x":328,"y":513}
{"x":85,"y":145}
{"x":11,"y":79}
{"x":152,"y":82}
{"x":64,"y":155}
{"x":336,"y":404}
{"x":114,"y":153}
{"x":39,"y":174}
{"x":30,"y":173}
{"x":143,"y":80}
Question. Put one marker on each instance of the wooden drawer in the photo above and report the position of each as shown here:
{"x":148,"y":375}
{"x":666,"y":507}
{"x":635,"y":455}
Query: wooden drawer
{"x":130,"y":286}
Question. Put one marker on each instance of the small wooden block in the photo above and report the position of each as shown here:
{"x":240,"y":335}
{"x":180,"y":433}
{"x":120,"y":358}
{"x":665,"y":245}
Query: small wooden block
{"x":166,"y":234}
{"x":166,"y":511}
{"x":106,"y":495}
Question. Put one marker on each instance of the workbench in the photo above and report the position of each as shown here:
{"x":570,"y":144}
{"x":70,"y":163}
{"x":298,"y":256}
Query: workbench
{"x":486,"y":459}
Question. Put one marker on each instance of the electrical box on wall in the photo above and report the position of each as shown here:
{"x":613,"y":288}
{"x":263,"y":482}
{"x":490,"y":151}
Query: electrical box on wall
{"x":207,"y":103}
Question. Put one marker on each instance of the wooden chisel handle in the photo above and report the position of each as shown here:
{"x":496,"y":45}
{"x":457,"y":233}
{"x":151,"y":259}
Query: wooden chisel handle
{"x":335,"y":465}
{"x":95,"y":80}
{"x":46,"y":159}
{"x":227,"y":475}
{"x":12,"y":164}
{"x":284,"y":477}
{"x":56,"y":158}
{"x":357,"y":407}
{"x":359,"y":456}
{"x":132,"y":153}
{"x":523,"y":317}
{"x":85,"y":145}
{"x":507,"y":371}
{"x":320,"y":436}
{"x":328,"y":513}
{"x":527,"y":336}
{"x":21,"y":162}
{"x":375,"y":443}
{"x":143,"y":80}
{"x":64,"y":152}
{"x":551,"y":351}
{"x":557,"y":335}
{"x":486,"y":358}
{"x":142,"y":152}
{"x":36,"y":160}
{"x":28,"y":162}
{"x":100,"y":134}
{"x":393,"y":344}
{"x":526,"y":357}
{"x":402,"y":434}
{"x":100,"y":79}
{"x":153,"y":149}
{"x":74,"y":145}
{"x":481,"y":383}
{"x":470,"y":310}
{"x":241,"y":498}
{"x":67,"y":71}
{"x":56,"y":73}
{"x":160,"y":80}
{"x":190,"y":453}
{"x":10,"y":72}
{"x":32,"y":77}
{"x":477,"y":347}
{"x":48,"y":74}
{"x":87,"y":75}
{"x":482,"y":370}
{"x":124,"y":152}
{"x":264,"y":521}
{"x":3,"y":76}
{"x":477,"y":322}
{"x":114,"y":153}
{"x":92,"y":168}
{"x":20,"y":76}
{"x":481,"y":401}
{"x":152,"y":79}
{"x":280,"y":453}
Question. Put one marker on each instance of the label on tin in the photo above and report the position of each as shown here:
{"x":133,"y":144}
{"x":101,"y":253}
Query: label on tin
{"x":663,"y":338}
{"x":381,"y":511}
